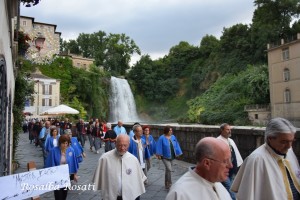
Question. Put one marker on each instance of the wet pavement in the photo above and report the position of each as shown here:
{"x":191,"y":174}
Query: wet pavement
{"x":155,"y":189}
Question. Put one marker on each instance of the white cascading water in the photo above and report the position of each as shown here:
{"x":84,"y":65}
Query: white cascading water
{"x":121,"y":101}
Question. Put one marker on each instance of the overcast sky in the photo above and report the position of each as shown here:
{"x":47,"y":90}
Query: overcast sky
{"x":154,"y":25}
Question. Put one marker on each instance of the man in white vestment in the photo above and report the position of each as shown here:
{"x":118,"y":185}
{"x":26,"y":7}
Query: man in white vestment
{"x":119,"y":175}
{"x":203,"y":181}
{"x":236,"y":157}
{"x":272,"y":170}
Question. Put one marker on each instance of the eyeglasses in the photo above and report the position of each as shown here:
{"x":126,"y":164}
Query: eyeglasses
{"x":225,"y":162}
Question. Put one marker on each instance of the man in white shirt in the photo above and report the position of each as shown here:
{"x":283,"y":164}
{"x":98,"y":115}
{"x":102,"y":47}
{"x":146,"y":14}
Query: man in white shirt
{"x":236,"y":157}
{"x":203,"y":181}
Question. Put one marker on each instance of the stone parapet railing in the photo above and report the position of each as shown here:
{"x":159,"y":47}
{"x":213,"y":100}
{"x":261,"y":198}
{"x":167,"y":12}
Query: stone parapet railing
{"x":246,"y":138}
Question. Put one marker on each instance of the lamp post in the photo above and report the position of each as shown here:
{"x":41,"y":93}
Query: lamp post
{"x":39,"y":41}
{"x":38,"y":97}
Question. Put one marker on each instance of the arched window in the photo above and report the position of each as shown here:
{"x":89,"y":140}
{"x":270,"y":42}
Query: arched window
{"x":287,"y":96}
{"x":286,"y":74}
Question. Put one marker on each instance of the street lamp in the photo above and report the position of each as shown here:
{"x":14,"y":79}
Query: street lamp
{"x":39,"y":41}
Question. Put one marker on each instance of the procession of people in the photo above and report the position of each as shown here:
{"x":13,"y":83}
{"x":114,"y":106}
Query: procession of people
{"x":270,"y":172}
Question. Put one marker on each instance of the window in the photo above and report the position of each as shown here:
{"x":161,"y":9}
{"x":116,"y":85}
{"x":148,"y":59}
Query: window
{"x":285,"y":54}
{"x":47,"y":102}
{"x":286,"y":74}
{"x":256,"y":116}
{"x":287,"y":96}
{"x":24,"y":23}
{"x":47,"y":89}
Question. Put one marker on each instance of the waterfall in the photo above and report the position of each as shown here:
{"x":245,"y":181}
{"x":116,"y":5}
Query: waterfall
{"x":121,"y":102}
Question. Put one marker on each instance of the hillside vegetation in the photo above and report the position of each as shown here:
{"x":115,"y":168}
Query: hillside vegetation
{"x":212,"y":82}
{"x":207,"y":83}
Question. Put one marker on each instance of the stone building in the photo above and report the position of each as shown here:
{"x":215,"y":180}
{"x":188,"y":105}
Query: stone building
{"x":47,"y":94}
{"x":81,"y":62}
{"x":284,"y":78}
{"x":258,"y":114}
{"x":78,"y":61}
{"x":8,"y":69}
{"x":40,"y":53}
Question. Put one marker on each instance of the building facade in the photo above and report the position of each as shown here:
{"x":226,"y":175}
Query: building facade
{"x":258,"y":114}
{"x":8,"y":67}
{"x":40,"y":53}
{"x":47,"y":95}
{"x":284,"y":78}
{"x":81,"y":62}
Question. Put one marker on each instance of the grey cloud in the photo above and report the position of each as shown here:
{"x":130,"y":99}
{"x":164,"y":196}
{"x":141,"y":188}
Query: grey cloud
{"x":155,"y":26}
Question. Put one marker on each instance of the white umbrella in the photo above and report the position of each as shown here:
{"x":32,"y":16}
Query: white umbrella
{"x":60,"y":110}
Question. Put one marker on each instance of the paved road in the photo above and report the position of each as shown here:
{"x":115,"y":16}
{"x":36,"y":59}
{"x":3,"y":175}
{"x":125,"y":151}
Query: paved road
{"x":154,"y":190}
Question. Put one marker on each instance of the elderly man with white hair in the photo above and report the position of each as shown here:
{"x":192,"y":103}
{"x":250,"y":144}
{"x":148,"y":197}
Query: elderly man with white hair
{"x":118,"y":174}
{"x":110,"y":138}
{"x":272,"y":170}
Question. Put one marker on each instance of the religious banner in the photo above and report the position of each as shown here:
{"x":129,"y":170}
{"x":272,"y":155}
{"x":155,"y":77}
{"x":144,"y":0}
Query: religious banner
{"x":34,"y":183}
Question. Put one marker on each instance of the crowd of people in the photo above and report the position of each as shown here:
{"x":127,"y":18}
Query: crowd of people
{"x":270,"y":172}
{"x":61,"y":143}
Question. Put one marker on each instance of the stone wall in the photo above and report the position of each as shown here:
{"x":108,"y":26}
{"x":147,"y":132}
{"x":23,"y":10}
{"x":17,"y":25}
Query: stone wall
{"x":247,"y":139}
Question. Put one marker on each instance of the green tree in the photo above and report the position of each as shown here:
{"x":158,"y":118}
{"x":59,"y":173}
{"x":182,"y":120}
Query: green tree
{"x":98,"y":47}
{"x":140,"y":73}
{"x":85,"y":45}
{"x":235,"y":49}
{"x":270,"y":23}
{"x":180,"y":56}
{"x":209,"y":45}
{"x":118,"y":53}
{"x":205,"y":66}
{"x":73,"y":47}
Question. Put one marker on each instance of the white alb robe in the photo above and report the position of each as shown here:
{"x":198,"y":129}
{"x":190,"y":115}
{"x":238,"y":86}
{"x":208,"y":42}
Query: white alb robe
{"x":191,"y":186}
{"x":260,"y":176}
{"x":238,"y":156}
{"x":111,"y":167}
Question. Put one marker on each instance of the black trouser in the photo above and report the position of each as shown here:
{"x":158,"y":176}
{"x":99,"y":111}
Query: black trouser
{"x":61,"y":194}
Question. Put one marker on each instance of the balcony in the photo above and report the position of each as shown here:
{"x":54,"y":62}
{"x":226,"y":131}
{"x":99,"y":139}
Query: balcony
{"x":257,"y":107}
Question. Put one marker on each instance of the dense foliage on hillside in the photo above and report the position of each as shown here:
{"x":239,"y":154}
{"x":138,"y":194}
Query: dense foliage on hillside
{"x":226,"y":98}
{"x":220,"y":76}
{"x":81,"y":89}
{"x":208,"y":83}
{"x":86,"y":91}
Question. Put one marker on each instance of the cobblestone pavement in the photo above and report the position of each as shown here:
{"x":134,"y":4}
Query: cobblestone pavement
{"x":154,"y":190}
